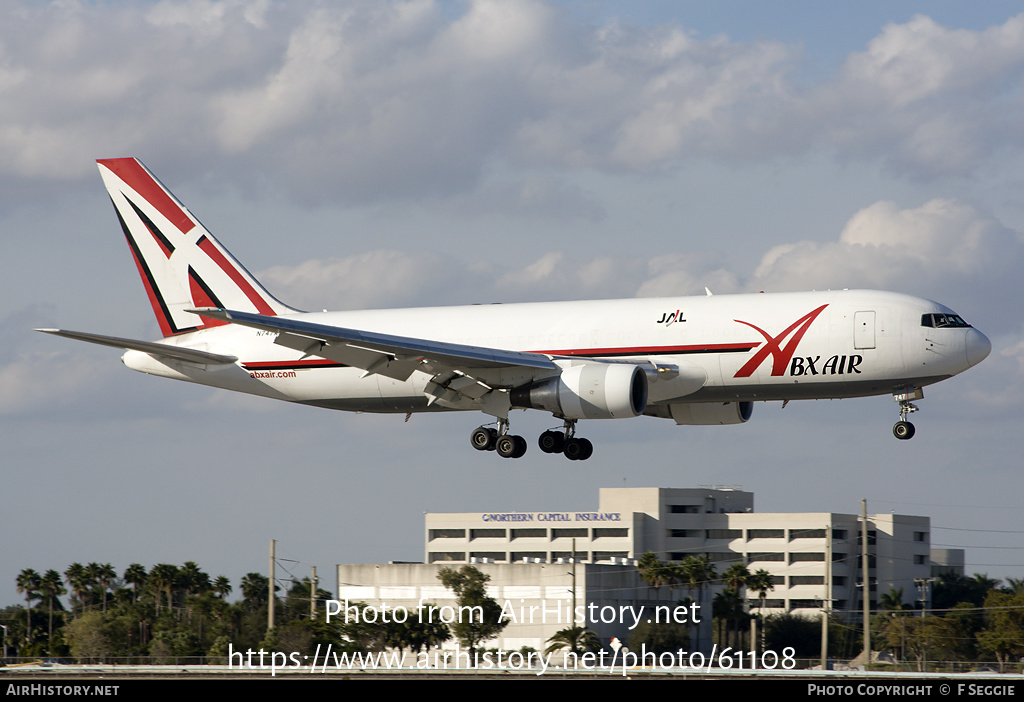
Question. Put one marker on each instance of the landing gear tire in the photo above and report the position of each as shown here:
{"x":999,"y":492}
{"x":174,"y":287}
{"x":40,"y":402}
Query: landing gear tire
{"x":483,"y":438}
{"x":552,"y":442}
{"x":903,"y":430}
{"x":509,"y":446}
{"x":578,"y":449}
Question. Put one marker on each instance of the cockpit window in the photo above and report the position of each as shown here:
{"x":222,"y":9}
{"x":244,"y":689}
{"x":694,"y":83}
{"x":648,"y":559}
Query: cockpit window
{"x":943,"y":321}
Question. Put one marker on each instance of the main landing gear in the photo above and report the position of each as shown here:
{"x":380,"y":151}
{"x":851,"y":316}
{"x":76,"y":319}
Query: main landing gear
{"x":491,"y":439}
{"x":903,"y":429}
{"x":566,"y":442}
{"x":552,"y":441}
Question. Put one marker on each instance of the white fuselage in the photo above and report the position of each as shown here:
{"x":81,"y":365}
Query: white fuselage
{"x":779,"y":346}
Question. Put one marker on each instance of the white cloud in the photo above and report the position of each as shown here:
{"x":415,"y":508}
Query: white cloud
{"x":47,"y":381}
{"x":387,"y":100}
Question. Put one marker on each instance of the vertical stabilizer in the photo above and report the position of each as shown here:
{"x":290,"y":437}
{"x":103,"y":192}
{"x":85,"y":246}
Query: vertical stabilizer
{"x":181,"y":264}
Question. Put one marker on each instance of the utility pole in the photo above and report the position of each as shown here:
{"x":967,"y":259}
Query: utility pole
{"x":270,"y":607}
{"x":866,"y":581}
{"x":312,"y":595}
{"x":826,"y":602}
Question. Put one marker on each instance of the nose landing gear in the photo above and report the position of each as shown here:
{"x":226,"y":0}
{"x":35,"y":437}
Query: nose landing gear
{"x":903,"y":429}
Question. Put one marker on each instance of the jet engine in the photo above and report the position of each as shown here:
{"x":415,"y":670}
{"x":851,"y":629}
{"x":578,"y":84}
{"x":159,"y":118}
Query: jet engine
{"x":711,"y":412}
{"x":588,"y":391}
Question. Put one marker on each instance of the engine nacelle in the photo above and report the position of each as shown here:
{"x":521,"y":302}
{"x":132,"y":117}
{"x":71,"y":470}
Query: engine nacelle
{"x":706,"y":413}
{"x":588,"y":391}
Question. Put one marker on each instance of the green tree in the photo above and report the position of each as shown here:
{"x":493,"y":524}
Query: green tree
{"x":51,"y":586}
{"x":1003,"y":635}
{"x":28,"y":584}
{"x":479,"y":615}
{"x":135,"y":575}
{"x":577,"y":639}
{"x":78,"y":580}
{"x":162,"y":578}
{"x":255,"y":590}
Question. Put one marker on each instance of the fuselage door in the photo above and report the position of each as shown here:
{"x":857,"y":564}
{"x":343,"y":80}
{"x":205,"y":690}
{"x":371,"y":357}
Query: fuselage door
{"x":864,"y":330}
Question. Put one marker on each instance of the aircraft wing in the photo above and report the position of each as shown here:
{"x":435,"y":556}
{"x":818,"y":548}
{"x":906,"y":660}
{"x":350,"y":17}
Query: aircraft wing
{"x":458,"y":370}
{"x":153,"y":348}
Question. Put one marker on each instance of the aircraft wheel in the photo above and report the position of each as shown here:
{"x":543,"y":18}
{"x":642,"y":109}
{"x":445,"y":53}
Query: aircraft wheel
{"x":588,"y":449}
{"x":483,"y":438}
{"x":552,"y":442}
{"x":903,"y":430}
{"x":509,"y":446}
{"x":578,"y":449}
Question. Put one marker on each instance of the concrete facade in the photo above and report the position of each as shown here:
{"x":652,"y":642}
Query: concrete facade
{"x":528,"y":556}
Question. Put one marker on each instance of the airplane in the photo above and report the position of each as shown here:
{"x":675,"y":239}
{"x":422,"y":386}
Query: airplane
{"x":702,"y":360}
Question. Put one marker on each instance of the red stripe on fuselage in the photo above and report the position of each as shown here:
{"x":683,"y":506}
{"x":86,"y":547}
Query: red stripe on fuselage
{"x":655,"y":350}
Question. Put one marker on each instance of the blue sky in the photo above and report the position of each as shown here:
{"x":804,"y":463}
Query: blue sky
{"x":347,"y":152}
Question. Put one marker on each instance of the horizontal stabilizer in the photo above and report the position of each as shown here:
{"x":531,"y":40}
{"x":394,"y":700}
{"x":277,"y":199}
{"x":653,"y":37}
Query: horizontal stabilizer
{"x":153,"y":348}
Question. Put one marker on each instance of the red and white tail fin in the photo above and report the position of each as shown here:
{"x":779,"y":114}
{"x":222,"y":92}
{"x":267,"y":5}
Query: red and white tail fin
{"x":181,"y":264}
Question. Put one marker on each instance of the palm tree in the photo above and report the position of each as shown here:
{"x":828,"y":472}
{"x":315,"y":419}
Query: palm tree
{"x":77,"y":578}
{"x":576,"y":638}
{"x":761,"y":581}
{"x":222,"y":586}
{"x":105,"y":575}
{"x":135,"y":575}
{"x":255,"y":590}
{"x":696,"y":572}
{"x":653,"y":571}
{"x":737,"y":576}
{"x":162,"y":579}
{"x":193,"y":579}
{"x":51,"y":586}
{"x":28,"y":583}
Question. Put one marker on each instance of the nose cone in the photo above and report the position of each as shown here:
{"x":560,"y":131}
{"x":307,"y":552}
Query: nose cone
{"x":978,"y":347}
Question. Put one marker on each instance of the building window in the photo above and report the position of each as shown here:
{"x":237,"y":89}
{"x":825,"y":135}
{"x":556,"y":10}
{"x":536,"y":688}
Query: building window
{"x":838,"y":581}
{"x":805,"y":557}
{"x":608,"y":555}
{"x":610,"y":533}
{"x":921,"y":536}
{"x":442,"y":556}
{"x":684,"y":509}
{"x":486,"y":534}
{"x":686,"y":533}
{"x":920,"y":560}
{"x":519,"y":556}
{"x":724,"y":556}
{"x":755,"y":556}
{"x":580,"y":555}
{"x":765,"y":533}
{"x":806,"y":534}
{"x":492,"y":555}
{"x":529,"y":533}
{"x":725,"y":533}
{"x":447,"y":534}
{"x":806,"y":580}
{"x":568,"y":533}
{"x":805,"y":604}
